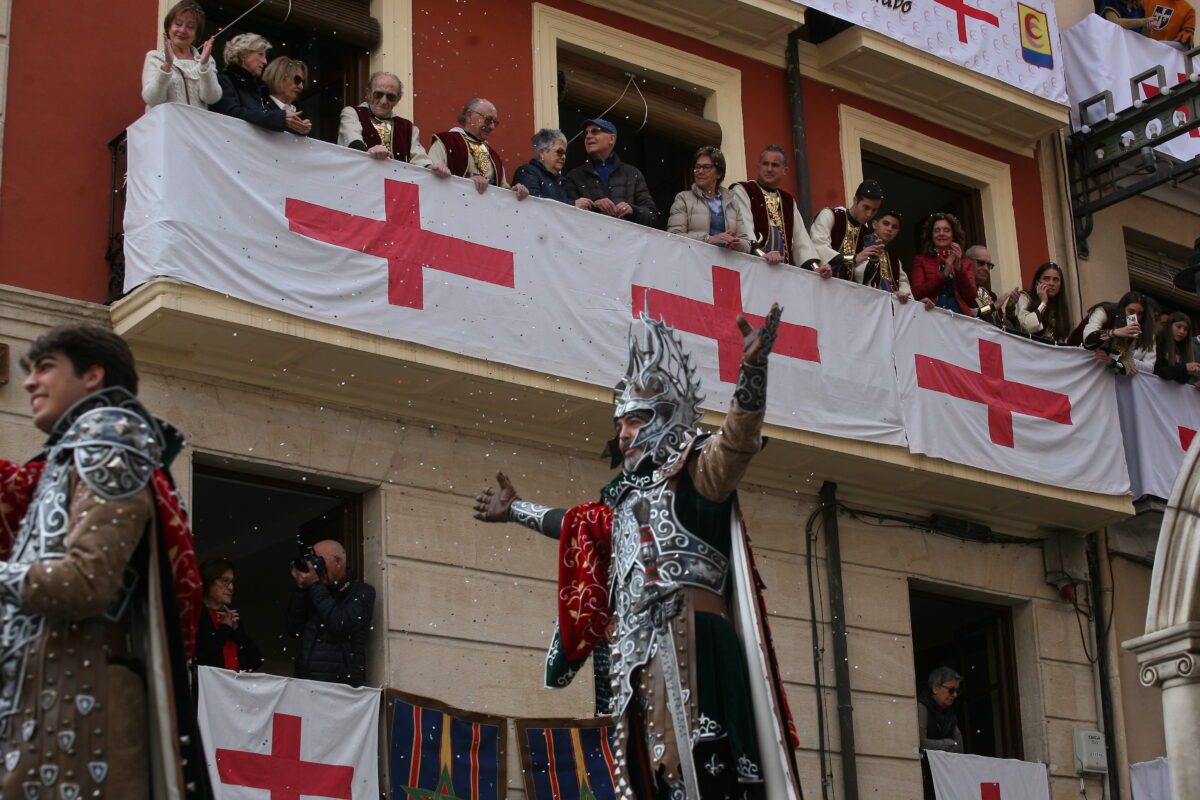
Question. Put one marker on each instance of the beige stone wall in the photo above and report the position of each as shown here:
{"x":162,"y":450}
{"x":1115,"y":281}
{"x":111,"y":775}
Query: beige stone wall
{"x":1142,"y":705}
{"x":465,"y":610}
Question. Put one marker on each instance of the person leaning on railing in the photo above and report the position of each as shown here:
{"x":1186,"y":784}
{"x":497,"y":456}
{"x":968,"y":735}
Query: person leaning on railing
{"x":706,"y":211}
{"x":285,"y":78}
{"x":1122,"y":334}
{"x":543,"y":175}
{"x":243,"y":93}
{"x":1175,"y":352}
{"x":1129,"y":14}
{"x":939,"y":272}
{"x":1042,"y":308}
{"x":179,"y":73}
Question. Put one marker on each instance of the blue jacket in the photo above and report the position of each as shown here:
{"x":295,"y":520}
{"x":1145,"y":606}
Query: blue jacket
{"x":333,"y":628}
{"x":541,"y":182}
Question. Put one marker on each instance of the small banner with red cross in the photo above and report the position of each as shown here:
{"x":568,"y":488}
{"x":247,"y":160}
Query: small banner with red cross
{"x":567,"y":759}
{"x":272,"y":738}
{"x":437,"y":752}
{"x":964,"y":777}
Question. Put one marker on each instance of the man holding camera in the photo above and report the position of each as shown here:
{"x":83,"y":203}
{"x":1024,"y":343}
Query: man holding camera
{"x":331,"y":615}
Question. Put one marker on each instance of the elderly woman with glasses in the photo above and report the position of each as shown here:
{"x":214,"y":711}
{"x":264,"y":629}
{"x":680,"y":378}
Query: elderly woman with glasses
{"x":542,"y":176}
{"x":221,"y":639}
{"x":285,"y":78}
{"x":243,"y":93}
{"x":179,"y":73}
{"x":707,"y":212}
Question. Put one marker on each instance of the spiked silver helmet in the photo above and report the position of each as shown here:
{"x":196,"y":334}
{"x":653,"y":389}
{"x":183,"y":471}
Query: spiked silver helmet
{"x":660,"y":384}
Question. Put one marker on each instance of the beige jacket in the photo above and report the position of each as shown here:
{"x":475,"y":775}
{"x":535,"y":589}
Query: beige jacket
{"x":690,"y":216}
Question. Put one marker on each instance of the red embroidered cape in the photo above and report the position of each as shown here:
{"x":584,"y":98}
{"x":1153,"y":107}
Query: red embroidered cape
{"x":17,"y":485}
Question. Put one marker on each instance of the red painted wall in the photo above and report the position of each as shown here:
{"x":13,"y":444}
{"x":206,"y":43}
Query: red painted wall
{"x":74,"y":83}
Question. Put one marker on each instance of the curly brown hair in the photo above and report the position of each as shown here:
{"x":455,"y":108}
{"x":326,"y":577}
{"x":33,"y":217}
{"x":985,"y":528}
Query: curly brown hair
{"x":956,"y":227}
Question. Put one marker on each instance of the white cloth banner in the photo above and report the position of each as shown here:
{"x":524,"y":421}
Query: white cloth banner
{"x":974,"y":394}
{"x":1012,"y":41}
{"x":1100,"y":55}
{"x":326,"y":233}
{"x":1159,"y":419}
{"x":963,"y":777}
{"x":1151,"y":780}
{"x":264,"y":734}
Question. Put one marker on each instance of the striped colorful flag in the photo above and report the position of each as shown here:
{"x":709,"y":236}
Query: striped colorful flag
{"x":567,"y":759}
{"x":437,"y":752}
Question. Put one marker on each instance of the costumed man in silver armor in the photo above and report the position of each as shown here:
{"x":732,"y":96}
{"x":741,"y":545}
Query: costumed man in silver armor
{"x":100,"y":589}
{"x":658,"y":575}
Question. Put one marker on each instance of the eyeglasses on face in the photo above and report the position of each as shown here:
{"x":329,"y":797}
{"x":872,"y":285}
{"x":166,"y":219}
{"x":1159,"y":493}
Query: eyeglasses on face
{"x":391,"y":96}
{"x":558,"y":151}
{"x":298,"y":80}
{"x":704,"y":167}
{"x":988,"y":264}
{"x":225,"y":581}
{"x":950,"y":690}
{"x":595,"y":131}
{"x":493,"y":121}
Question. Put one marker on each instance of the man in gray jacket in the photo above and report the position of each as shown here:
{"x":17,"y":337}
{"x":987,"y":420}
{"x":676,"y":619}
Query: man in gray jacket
{"x":607,"y":184}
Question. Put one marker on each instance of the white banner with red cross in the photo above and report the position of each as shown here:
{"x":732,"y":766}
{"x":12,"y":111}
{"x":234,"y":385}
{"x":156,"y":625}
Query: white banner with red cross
{"x":326,"y":233}
{"x":1101,"y":55}
{"x":976,"y":395}
{"x":964,"y":777}
{"x":1015,"y":41}
{"x":1159,"y":420}
{"x":283,"y":738}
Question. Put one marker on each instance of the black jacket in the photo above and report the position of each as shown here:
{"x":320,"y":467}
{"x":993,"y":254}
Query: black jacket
{"x":332,"y":626}
{"x":244,"y":96}
{"x":625,"y":184}
{"x":541,"y":182}
{"x":210,"y":644}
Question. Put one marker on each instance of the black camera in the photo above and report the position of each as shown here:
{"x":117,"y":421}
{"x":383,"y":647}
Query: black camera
{"x":309,"y":560}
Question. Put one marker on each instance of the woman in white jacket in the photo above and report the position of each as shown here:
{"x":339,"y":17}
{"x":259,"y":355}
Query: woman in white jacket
{"x":705,"y":211}
{"x":179,"y":73}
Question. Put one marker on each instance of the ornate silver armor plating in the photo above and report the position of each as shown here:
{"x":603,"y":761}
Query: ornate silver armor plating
{"x":115,"y":450}
{"x":651,"y":564}
{"x":531,"y":515}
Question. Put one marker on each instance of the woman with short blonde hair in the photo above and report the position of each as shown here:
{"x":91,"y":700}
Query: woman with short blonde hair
{"x":245,"y":96}
{"x":285,"y":78}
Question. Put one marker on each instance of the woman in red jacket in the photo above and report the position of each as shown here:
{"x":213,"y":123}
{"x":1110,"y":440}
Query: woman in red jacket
{"x":938,"y":271}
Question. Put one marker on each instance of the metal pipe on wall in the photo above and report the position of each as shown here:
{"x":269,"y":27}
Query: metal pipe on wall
{"x":837,"y":621}
{"x":799,"y":137}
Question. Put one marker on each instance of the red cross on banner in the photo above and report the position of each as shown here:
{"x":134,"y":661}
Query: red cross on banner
{"x":282,"y":773}
{"x":1185,"y":437}
{"x":398,"y":237}
{"x":963,"y":11}
{"x":989,"y":791}
{"x":1002,"y":397}
{"x":718,"y":320}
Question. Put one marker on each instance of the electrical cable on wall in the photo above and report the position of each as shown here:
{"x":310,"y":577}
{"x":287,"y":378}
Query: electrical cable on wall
{"x":818,"y":651}
{"x":625,"y":91}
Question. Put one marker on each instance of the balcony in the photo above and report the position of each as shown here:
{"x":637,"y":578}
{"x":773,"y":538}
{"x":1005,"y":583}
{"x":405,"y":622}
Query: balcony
{"x":247,"y":285}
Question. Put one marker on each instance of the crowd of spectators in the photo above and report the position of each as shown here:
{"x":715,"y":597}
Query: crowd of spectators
{"x":756,"y":216}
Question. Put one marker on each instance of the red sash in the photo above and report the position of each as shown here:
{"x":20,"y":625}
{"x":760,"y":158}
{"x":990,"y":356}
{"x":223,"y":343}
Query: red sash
{"x":458,"y":157}
{"x":402,"y":131}
{"x":584,"y":551}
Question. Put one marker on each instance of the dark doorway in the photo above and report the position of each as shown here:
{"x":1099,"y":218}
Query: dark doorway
{"x":256,"y":522}
{"x":975,"y":640}
{"x":916,"y":195}
{"x":659,"y":126}
{"x":337,"y":72}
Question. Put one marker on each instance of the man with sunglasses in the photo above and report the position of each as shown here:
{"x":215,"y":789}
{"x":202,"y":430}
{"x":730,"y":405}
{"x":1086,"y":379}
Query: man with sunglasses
{"x":607,"y":184}
{"x":373,"y":128}
{"x":935,"y":711}
{"x":464,"y":150}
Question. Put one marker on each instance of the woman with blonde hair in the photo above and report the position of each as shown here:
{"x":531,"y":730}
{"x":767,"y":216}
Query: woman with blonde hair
{"x":705,"y":211}
{"x":244,"y":95}
{"x":285,"y":78}
{"x":179,"y":73}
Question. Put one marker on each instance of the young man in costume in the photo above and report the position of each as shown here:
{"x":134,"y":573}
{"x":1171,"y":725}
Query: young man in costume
{"x":100,"y":588}
{"x":838,"y":233}
{"x":660,"y":575}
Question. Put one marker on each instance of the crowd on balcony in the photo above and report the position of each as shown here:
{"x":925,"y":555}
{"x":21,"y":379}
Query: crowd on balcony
{"x":755,"y":216}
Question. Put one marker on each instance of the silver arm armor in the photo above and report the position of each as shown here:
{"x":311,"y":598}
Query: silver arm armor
{"x":543,"y":519}
{"x":751,"y":392}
